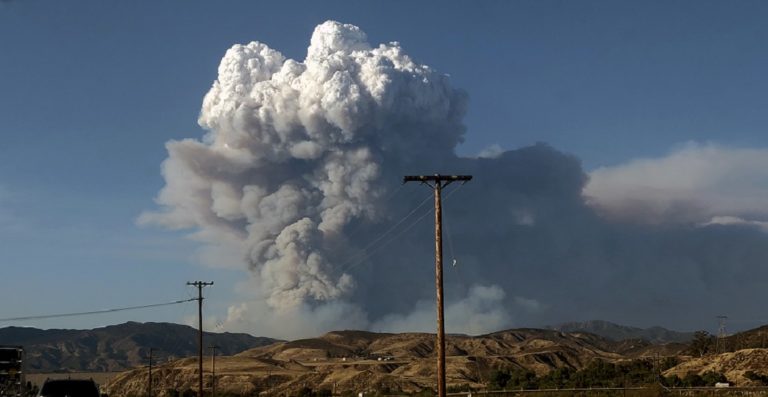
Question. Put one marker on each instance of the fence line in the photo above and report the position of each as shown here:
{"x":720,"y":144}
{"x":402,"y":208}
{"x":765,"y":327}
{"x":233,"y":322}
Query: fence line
{"x":625,"y":391}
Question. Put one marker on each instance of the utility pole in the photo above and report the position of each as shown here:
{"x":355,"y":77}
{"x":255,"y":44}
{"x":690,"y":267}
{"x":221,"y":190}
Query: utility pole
{"x":149,"y":384}
{"x":200,"y":285}
{"x":213,"y":369}
{"x":437,"y":183}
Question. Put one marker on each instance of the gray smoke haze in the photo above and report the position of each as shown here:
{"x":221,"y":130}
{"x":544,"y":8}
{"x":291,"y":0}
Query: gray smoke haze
{"x":299,"y":177}
{"x":698,"y":183}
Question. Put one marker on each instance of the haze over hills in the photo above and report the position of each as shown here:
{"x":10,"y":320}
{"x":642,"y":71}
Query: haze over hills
{"x":116,"y":347}
{"x":617,"y":332}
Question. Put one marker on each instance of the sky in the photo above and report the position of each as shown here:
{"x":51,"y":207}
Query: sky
{"x":661,"y":103}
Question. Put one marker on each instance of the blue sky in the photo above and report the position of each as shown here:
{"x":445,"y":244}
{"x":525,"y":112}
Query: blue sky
{"x":90,"y":91}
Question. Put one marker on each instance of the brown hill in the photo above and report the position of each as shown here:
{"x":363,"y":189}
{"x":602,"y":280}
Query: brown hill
{"x":359,"y":361}
{"x":751,"y":339}
{"x":733,"y":365}
{"x":116,"y":347}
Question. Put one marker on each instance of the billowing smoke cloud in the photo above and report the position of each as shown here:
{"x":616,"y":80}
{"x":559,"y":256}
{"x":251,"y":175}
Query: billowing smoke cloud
{"x":299,"y":176}
{"x":297,"y":151}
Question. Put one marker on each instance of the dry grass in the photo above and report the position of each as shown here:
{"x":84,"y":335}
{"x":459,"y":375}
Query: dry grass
{"x":100,"y":378}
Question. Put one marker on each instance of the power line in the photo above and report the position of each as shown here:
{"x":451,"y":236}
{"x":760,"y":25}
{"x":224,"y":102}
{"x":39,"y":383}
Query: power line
{"x":424,"y":215}
{"x":448,"y":229}
{"x":119,"y":309}
{"x":398,"y":223}
{"x":368,"y":251}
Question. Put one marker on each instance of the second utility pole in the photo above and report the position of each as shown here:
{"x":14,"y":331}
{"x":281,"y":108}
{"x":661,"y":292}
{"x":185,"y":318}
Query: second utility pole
{"x":200,"y":285}
{"x":149,"y":383}
{"x":438,"y":182}
{"x":213,"y":369}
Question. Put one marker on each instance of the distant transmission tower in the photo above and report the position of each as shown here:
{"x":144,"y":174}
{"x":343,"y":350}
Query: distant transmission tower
{"x":721,"y":334}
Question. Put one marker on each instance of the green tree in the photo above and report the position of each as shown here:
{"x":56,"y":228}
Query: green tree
{"x":188,"y":393}
{"x":752,"y":375}
{"x":712,"y":377}
{"x":636,"y":372}
{"x":556,"y":379}
{"x":701,"y":343}
{"x":499,"y":379}
{"x":464,"y":387}
{"x":597,"y":373}
{"x":672,"y":381}
{"x":424,"y":393}
{"x":692,"y":379}
{"x":522,"y":379}
{"x":669,"y":362}
{"x":305,"y":392}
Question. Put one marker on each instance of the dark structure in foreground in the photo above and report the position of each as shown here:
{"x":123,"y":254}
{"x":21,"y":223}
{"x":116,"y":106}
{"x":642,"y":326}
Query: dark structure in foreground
{"x":12,"y":380}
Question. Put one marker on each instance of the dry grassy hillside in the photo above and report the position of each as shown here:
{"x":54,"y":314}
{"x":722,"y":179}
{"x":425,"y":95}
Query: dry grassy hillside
{"x":115,"y":347}
{"x":359,"y":361}
{"x":733,"y":365}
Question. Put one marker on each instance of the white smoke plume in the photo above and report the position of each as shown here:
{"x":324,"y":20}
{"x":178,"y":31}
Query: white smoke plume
{"x":299,"y":177}
{"x":296,"y":150}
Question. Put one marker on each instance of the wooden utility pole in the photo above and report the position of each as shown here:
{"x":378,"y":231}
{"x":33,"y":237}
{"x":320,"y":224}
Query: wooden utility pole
{"x":149,"y":384}
{"x":213,"y":369}
{"x":200,"y":285}
{"x":437,"y":183}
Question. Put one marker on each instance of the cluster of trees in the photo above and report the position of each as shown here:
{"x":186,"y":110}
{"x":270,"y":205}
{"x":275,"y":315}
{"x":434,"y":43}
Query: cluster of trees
{"x":9,"y":387}
{"x":708,"y":378}
{"x":178,"y":393}
{"x":309,"y":392}
{"x":752,"y":375}
{"x":31,"y":390}
{"x":601,"y":374}
{"x":704,"y":343}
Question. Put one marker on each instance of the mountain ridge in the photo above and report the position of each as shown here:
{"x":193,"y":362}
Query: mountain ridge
{"x":404,"y":362}
{"x":618,"y":332}
{"x":116,"y":347}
